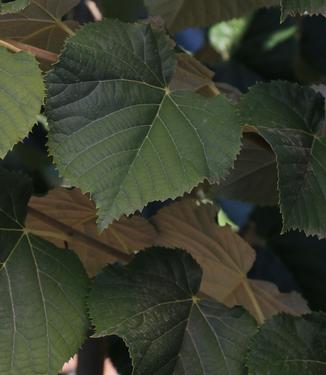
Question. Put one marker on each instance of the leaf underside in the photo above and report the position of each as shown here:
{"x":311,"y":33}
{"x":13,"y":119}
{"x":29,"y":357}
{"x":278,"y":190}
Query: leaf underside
{"x":35,"y":25}
{"x":225,"y":258}
{"x":111,"y":115}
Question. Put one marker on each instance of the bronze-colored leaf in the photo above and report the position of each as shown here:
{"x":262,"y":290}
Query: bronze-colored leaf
{"x":37,"y":24}
{"x":191,"y":75}
{"x":225,"y":258}
{"x":66,"y":217}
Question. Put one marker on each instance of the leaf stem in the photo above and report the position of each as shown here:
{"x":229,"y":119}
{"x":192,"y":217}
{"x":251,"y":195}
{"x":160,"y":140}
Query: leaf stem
{"x":259,"y":313}
{"x":14,"y":46}
{"x":9,"y":46}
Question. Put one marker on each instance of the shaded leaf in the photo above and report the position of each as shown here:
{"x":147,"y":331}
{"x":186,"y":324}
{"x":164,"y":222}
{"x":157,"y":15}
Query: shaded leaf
{"x":191,"y":75}
{"x":290,"y":118}
{"x":77,"y":214}
{"x":301,"y":7}
{"x":36,"y":24}
{"x":225,"y":258}
{"x":13,"y":6}
{"x":43,"y":319}
{"x":254,"y":176}
{"x":151,"y":303}
{"x":118,"y":132}
{"x":180,"y":14}
{"x":290,"y":345}
{"x":21,"y":97}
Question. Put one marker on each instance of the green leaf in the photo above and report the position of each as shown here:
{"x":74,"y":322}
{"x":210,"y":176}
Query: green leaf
{"x":290,"y":118}
{"x":43,"y":318}
{"x":117,"y":130}
{"x":180,"y":14}
{"x":151,"y":303}
{"x":36,"y":25}
{"x":13,"y":6}
{"x":255,"y":166}
{"x":21,"y":97}
{"x":294,"y":7}
{"x":290,"y":345}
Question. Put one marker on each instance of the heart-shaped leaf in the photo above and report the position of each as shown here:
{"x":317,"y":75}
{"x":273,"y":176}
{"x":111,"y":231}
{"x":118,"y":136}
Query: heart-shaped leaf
{"x":43,"y":319}
{"x":119,"y":132}
{"x":290,"y":117}
{"x":289,"y":345}
{"x":151,"y":303}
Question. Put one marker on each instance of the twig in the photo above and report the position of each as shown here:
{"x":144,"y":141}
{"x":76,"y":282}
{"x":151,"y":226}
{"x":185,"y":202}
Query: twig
{"x":14,"y":46}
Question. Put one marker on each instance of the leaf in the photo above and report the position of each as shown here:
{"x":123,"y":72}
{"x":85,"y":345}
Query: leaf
{"x":290,"y":118}
{"x":254,"y":176}
{"x":151,"y":303}
{"x":76,"y":216}
{"x":180,"y":14}
{"x":13,"y":6}
{"x":37,"y":24}
{"x":118,"y":132}
{"x":289,"y":345}
{"x":21,"y":97}
{"x":301,"y":7}
{"x":43,"y":319}
{"x":191,"y":75}
{"x":225,"y":258}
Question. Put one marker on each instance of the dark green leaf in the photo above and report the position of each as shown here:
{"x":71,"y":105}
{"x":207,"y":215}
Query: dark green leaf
{"x":117,"y":130}
{"x":179,"y":14}
{"x":43,"y":318}
{"x":13,"y":6}
{"x":290,"y":345}
{"x":294,"y":7}
{"x":290,"y":118}
{"x":254,"y":176}
{"x":151,"y":304}
{"x":21,"y":97}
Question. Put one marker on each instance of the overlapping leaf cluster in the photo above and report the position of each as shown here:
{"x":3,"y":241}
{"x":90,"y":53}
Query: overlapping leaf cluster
{"x":132,"y":121}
